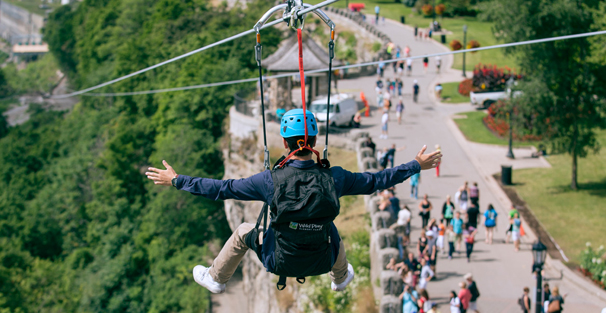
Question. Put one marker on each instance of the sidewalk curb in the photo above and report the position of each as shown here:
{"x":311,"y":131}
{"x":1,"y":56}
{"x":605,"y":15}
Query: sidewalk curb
{"x":598,"y":295}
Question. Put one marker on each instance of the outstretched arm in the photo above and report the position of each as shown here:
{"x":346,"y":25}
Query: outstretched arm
{"x":257,"y":187}
{"x":367,"y":183}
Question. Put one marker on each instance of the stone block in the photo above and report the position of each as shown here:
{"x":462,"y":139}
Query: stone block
{"x":370,"y":163}
{"x":386,"y":254}
{"x":386,"y":238}
{"x":380,"y":220}
{"x":391,"y":283}
{"x":390,"y":304}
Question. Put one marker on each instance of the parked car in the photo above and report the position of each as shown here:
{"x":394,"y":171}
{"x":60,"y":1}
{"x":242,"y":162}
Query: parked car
{"x":483,"y":99}
{"x":342,"y":110}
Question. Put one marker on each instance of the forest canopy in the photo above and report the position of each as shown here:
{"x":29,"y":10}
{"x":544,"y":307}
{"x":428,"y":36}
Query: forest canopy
{"x":81,"y":228}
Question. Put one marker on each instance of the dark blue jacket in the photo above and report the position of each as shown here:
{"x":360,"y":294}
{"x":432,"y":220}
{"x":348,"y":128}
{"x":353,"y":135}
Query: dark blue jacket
{"x":260,"y":187}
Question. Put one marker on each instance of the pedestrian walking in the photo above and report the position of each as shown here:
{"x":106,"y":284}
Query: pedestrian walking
{"x":377,"y":9}
{"x":455,"y":302}
{"x":387,"y":97}
{"x":457,"y":226}
{"x":409,"y":300}
{"x":474,"y":194}
{"x":490,"y":222}
{"x":370,"y":144}
{"x":390,"y":154}
{"x":384,"y":121}
{"x":462,"y":196}
{"x":379,"y":83}
{"x":415,"y":180}
{"x":400,"y":68}
{"x":424,"y":303}
{"x":416,"y":31}
{"x":473,"y":213}
{"x":422,"y":245}
{"x":380,"y":99}
{"x":469,"y":234}
{"x":512,"y":211}
{"x":441,"y":234}
{"x":431,"y":251}
{"x":465,"y":296}
{"x":438,"y":166}
{"x":408,"y":67}
{"x":393,"y":86}
{"x":516,"y":231}
{"x":426,"y":274}
{"x":415,"y":91}
{"x":448,"y":209}
{"x":425,"y":210}
{"x":381,"y":68}
{"x":399,"y":85}
{"x":399,"y":111}
{"x":438,"y":91}
{"x":451,"y":236}
{"x":555,"y":301}
{"x":546,"y":296}
{"x":438,"y":64}
{"x":425,"y":64}
{"x":475,"y":293}
{"x":524,"y":301}
{"x":407,"y":51}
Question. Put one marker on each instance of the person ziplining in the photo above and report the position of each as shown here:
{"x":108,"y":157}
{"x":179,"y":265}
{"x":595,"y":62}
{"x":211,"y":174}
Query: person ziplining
{"x":303,"y":195}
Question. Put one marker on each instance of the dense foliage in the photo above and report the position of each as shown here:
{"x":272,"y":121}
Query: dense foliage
{"x":81,"y":229}
{"x":593,"y":264}
{"x":566,"y":85}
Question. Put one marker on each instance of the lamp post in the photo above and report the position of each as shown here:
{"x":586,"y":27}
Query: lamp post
{"x":434,"y":15}
{"x":539,"y":253}
{"x":510,"y":83}
{"x":464,"y":47}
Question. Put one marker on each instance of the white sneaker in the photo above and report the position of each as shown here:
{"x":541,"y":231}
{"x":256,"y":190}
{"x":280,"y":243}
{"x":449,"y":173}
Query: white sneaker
{"x":203,"y":279}
{"x":350,"y":277}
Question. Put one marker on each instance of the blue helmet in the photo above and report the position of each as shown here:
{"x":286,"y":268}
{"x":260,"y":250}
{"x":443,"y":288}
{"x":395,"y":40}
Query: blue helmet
{"x":292,"y":124}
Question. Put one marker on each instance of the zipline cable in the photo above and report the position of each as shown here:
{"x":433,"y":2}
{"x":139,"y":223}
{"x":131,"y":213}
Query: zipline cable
{"x":220,"y":42}
{"x":512,"y":44}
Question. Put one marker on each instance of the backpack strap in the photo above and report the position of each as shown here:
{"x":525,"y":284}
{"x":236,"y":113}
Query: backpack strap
{"x":281,"y":283}
{"x":301,"y":280}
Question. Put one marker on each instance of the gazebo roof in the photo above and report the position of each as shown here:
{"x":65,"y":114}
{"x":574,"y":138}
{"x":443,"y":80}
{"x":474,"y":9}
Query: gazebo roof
{"x":286,"y":58}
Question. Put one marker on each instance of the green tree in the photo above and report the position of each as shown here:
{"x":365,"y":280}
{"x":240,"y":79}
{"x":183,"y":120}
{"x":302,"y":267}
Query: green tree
{"x":564,"y":94}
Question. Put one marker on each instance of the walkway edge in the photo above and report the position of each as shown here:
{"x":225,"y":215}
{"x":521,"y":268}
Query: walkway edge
{"x":598,"y":295}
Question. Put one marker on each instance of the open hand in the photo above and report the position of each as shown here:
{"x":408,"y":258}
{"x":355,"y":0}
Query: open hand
{"x":428,"y":161}
{"x":162,"y":177}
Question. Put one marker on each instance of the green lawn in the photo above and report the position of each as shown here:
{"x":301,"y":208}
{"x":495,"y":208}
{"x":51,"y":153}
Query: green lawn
{"x":474,"y":130}
{"x":34,"y":5}
{"x":571,"y":217}
{"x":476,"y":30}
{"x":450,"y":93}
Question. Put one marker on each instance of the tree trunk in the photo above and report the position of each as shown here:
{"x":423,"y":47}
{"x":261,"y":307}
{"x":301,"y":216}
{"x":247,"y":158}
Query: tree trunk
{"x":573,"y":184}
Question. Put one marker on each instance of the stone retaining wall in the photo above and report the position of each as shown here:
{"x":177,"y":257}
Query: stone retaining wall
{"x":383,"y":240}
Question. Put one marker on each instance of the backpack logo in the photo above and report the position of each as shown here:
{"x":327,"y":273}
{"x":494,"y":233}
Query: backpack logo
{"x":293,"y":225}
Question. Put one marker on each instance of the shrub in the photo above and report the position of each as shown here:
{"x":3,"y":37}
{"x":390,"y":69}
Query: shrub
{"x":455,"y":45}
{"x":465,"y":87}
{"x":593,"y":264}
{"x":489,"y":77}
{"x":440,"y":8}
{"x":376,"y":46}
{"x":473,"y":44}
{"x":427,"y":9}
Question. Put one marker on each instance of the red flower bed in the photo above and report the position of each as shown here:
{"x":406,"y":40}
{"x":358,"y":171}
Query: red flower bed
{"x":490,"y":77}
{"x":496,"y":122}
{"x":455,"y":45}
{"x":465,"y":87}
{"x":427,"y":9}
{"x":440,"y":8}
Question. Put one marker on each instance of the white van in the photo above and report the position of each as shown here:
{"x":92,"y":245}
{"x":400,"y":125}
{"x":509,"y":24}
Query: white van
{"x":342,"y":110}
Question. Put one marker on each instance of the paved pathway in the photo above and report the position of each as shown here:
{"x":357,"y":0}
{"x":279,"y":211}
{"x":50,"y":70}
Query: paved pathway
{"x":500,"y":272}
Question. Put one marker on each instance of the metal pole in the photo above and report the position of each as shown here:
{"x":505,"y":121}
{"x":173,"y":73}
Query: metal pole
{"x":464,"y":47}
{"x":538,"y":301}
{"x":434,"y":15}
{"x":510,"y":151}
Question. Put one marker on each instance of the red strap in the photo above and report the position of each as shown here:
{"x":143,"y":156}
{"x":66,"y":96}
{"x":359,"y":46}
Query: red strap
{"x":302,"y":75}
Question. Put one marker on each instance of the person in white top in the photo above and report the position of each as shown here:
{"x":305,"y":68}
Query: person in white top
{"x":426,"y":274}
{"x":408,"y":66}
{"x":455,"y":303}
{"x":384,"y":120}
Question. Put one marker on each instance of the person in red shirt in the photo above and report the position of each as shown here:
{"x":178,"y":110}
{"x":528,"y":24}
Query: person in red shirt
{"x":465,"y":296}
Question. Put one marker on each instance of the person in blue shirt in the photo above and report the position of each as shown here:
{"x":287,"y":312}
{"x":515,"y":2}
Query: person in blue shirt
{"x":490,"y":222}
{"x":414,"y":185}
{"x":457,"y":227}
{"x":260,"y":187}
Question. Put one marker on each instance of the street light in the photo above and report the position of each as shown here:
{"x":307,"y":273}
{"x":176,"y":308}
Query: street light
{"x":464,"y":46}
{"x":539,"y":253}
{"x":510,"y":84}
